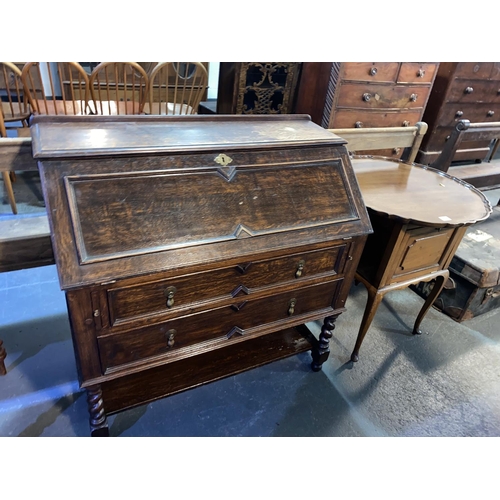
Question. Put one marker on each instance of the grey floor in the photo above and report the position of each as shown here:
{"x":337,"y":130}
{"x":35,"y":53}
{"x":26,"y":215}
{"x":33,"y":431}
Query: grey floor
{"x":443,"y":383}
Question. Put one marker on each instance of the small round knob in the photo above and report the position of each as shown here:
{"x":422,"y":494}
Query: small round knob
{"x":358,"y":124}
{"x":366,"y":96}
{"x":468,"y":90}
{"x":396,"y":151}
{"x":459,"y":114}
{"x":406,"y":123}
{"x":490,"y":113}
{"x":447,"y":138}
{"x":413,"y":97}
{"x":373,"y":71}
{"x":420,"y":73}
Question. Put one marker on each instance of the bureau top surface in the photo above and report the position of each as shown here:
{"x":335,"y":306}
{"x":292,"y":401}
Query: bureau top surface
{"x":77,"y":136}
{"x":415,"y":193}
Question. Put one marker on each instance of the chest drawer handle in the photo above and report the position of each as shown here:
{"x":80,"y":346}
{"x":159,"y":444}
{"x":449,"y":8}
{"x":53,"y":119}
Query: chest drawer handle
{"x":358,"y":125}
{"x":490,"y":113}
{"x":300,"y":269}
{"x":413,"y":97}
{"x":373,"y":71}
{"x":459,"y":114}
{"x":171,"y":337}
{"x":366,"y":96}
{"x":420,"y":73}
{"x":396,"y":151}
{"x":406,"y":123}
{"x":468,"y":90}
{"x":291,"y":306}
{"x":169,"y":293}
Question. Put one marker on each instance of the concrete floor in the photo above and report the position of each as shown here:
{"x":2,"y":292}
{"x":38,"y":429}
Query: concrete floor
{"x":443,"y":383}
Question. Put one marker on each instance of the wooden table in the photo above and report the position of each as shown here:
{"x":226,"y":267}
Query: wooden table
{"x":419,"y":216}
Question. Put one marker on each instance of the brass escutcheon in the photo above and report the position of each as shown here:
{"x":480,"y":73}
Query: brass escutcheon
{"x":223,"y":159}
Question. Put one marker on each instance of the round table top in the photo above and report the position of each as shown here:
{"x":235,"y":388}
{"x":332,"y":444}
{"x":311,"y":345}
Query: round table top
{"x":419,"y":194}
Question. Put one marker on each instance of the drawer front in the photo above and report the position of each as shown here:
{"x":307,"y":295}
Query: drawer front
{"x":368,"y":71}
{"x":477,"y":91}
{"x":423,"y":249}
{"x":218,"y":325}
{"x":361,"y":95}
{"x":452,"y":112}
{"x":176,"y":294}
{"x":417,"y":72}
{"x":355,"y":118}
{"x":473,"y":70}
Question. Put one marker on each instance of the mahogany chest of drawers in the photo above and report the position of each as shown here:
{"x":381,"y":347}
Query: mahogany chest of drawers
{"x":192,"y":248}
{"x":464,"y":90}
{"x":365,"y":94}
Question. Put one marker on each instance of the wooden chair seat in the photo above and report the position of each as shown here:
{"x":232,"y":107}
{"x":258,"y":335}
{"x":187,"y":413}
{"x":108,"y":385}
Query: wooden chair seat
{"x":168,"y":108}
{"x":113,"y":108}
{"x":15,"y":112}
{"x":60,"y":107}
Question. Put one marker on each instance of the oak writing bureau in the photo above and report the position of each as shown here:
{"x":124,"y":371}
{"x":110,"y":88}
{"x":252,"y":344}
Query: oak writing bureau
{"x":192,"y":248}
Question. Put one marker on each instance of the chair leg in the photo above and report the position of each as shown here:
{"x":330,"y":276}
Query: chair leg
{"x":3,"y":354}
{"x":374,"y":299}
{"x":436,"y":290}
{"x":10,"y":192}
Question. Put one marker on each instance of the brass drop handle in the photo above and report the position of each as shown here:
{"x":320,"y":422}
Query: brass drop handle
{"x":420,"y":73}
{"x":171,"y":337}
{"x":406,"y":123}
{"x":366,"y":96}
{"x":413,"y":97}
{"x":358,"y":125}
{"x":468,"y":90}
{"x":300,"y":268}
{"x":169,"y":293}
{"x":459,"y":114}
{"x":373,"y":71}
{"x":291,"y":306}
{"x":490,"y":113}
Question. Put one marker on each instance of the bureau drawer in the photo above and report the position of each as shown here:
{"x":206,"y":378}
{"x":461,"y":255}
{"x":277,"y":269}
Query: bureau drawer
{"x":417,"y":72}
{"x":126,"y":303}
{"x":355,"y":118}
{"x":477,"y":91}
{"x":369,"y":71}
{"x":452,"y":112}
{"x":474,"y":70}
{"x":218,"y":326}
{"x":361,"y":95}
